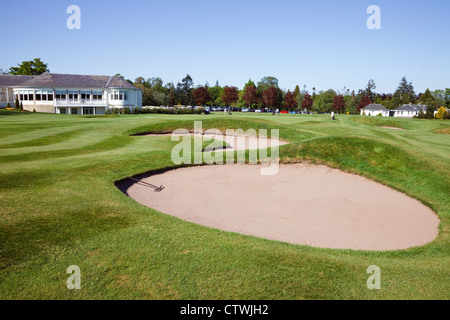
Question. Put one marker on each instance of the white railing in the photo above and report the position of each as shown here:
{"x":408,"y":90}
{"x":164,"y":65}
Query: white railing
{"x":80,"y":102}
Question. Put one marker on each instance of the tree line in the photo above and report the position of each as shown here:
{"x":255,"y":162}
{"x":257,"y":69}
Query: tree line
{"x":267,"y":94}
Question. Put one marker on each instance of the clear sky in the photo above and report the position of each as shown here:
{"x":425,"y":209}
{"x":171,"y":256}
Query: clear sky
{"x":321,"y":43}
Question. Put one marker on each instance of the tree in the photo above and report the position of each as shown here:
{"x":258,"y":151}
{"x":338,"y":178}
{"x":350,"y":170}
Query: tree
{"x":215,"y":94}
{"x":201,"y":96}
{"x":297,"y":92}
{"x":442,"y":112}
{"x":369,"y":91}
{"x":184,"y":91}
{"x":270,"y":97}
{"x":250,"y":96}
{"x":338,"y":103}
{"x":230,"y":95}
{"x":324,"y":101}
{"x":33,"y":68}
{"x":446,"y":96}
{"x":171,"y":94}
{"x":365,"y":101}
{"x":307,"y":102}
{"x":289,"y":101}
{"x":404,"y":94}
{"x":266,"y":83}
{"x":16,"y":103}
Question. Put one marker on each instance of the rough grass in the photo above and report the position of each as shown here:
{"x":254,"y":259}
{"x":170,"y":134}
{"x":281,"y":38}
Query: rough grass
{"x":59,"y":207}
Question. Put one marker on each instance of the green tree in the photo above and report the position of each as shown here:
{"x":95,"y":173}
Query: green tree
{"x":33,"y":68}
{"x":370,"y":90}
{"x":324,"y":101}
{"x":266,"y":83}
{"x":404,"y":94}
{"x":184,"y":91}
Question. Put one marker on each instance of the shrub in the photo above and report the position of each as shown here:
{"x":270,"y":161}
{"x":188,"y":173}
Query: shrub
{"x":8,"y":106}
{"x":441,"y":113}
{"x":379,"y":115}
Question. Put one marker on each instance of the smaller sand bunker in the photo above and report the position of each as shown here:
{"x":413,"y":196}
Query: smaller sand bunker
{"x":302,"y":204}
{"x":234,"y":143}
{"x":393,"y":128}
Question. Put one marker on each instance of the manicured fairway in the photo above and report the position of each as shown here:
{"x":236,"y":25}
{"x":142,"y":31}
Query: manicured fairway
{"x":59,"y":207}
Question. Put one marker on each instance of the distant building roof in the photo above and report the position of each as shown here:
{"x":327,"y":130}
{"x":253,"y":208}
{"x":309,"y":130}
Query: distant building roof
{"x":8,"y":80}
{"x":76,"y":81}
{"x":411,"y":107}
{"x":375,"y":107}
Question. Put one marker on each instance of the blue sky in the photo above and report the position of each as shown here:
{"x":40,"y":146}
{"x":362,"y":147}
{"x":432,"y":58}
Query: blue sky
{"x":321,"y":43}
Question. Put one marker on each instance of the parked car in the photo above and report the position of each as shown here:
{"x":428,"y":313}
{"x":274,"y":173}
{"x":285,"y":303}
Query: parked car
{"x":244,"y":109}
{"x":258,"y":110}
{"x":284,"y":112}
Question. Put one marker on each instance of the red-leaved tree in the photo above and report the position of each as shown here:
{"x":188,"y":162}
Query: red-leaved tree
{"x":250,"y":96}
{"x":365,"y":101}
{"x":201,"y":96}
{"x":270,"y":97}
{"x":230,"y":95}
{"x":289,"y":101}
{"x":338,"y":103}
{"x":307,"y":102}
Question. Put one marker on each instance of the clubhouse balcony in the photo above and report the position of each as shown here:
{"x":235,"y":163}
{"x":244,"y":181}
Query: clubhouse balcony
{"x":80,"y":102}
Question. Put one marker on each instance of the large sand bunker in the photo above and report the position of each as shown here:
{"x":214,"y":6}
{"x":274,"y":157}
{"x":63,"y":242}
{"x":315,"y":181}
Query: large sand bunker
{"x":302,"y":204}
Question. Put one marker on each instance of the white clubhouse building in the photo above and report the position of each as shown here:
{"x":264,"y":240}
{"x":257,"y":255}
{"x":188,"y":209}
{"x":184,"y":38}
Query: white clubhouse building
{"x":404,"y":111}
{"x":69,"y":93}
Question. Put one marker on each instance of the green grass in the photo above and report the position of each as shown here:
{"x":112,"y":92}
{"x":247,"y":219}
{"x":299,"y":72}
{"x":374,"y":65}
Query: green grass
{"x":59,"y":207}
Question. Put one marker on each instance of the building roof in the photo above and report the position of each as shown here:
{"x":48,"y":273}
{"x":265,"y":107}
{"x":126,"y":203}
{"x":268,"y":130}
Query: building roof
{"x":76,"y":81}
{"x":8,"y":80}
{"x":375,"y":107}
{"x":410,"y":107}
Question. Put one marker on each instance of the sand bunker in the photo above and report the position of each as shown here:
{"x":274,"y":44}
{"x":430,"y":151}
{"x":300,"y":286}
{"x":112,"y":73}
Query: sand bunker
{"x":393,"y":128}
{"x":302,"y":204}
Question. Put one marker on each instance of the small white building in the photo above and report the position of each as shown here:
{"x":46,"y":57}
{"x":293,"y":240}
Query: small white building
{"x":408,"y":110}
{"x":375,"y":110}
{"x":69,"y":93}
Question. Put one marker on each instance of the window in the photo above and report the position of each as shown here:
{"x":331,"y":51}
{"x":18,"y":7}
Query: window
{"x":97,"y":95}
{"x":119,"y":95}
{"x":21,"y":95}
{"x":62,"y":110}
{"x":30,"y":95}
{"x":60,"y":95}
{"x":86,"y":95}
{"x":38,"y":95}
{"x":74,"y":111}
{"x":73,"y":95}
{"x":50,"y":95}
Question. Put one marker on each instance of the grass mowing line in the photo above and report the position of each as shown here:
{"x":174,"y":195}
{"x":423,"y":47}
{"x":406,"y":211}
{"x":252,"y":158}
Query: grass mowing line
{"x":43,"y":141}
